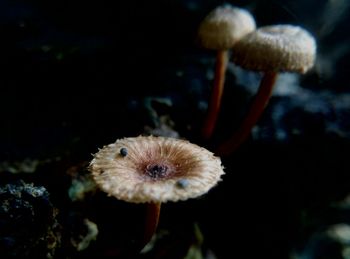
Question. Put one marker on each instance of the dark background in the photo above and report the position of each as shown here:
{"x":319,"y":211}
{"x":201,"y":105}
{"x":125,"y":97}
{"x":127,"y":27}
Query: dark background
{"x":75,"y":75}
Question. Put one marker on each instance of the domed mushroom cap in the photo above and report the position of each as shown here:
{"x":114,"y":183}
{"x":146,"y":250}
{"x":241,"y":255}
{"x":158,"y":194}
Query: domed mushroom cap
{"x":276,"y":48}
{"x":224,"y":26}
{"x":155,"y":169}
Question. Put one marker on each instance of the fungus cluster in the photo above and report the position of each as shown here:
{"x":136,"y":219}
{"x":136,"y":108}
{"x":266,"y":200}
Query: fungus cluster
{"x":269,"y":49}
{"x":154,"y":170}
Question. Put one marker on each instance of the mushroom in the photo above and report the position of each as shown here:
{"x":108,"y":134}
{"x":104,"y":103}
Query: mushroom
{"x":220,"y":30}
{"x":269,"y":49}
{"x":154,"y":170}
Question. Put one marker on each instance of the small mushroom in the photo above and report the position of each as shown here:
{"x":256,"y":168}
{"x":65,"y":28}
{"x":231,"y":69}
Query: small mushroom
{"x":269,"y":49}
{"x":151,"y":171}
{"x":220,"y":30}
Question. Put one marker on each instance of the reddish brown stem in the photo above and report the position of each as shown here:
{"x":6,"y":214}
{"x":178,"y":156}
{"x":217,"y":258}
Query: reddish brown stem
{"x":216,"y":95}
{"x":152,"y":218}
{"x":259,"y":103}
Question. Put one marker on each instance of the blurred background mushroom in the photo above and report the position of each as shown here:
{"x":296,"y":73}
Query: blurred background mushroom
{"x":219,"y":31}
{"x":270,"y":49}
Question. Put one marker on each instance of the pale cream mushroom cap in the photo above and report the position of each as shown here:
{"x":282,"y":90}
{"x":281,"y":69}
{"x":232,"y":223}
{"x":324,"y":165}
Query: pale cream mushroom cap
{"x":276,"y":48}
{"x":224,"y":26}
{"x":155,"y":169}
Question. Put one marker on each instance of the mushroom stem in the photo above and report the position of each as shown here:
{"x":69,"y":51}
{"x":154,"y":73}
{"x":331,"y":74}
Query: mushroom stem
{"x":152,"y":218}
{"x":256,"y":109}
{"x":216,"y":95}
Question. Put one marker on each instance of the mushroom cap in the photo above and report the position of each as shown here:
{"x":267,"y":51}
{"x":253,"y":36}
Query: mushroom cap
{"x":155,"y":169}
{"x":224,"y":26}
{"x":276,"y":48}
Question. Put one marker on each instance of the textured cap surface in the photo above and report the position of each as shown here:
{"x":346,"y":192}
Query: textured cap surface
{"x":276,"y":48}
{"x":223,"y":26}
{"x":155,"y":169}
